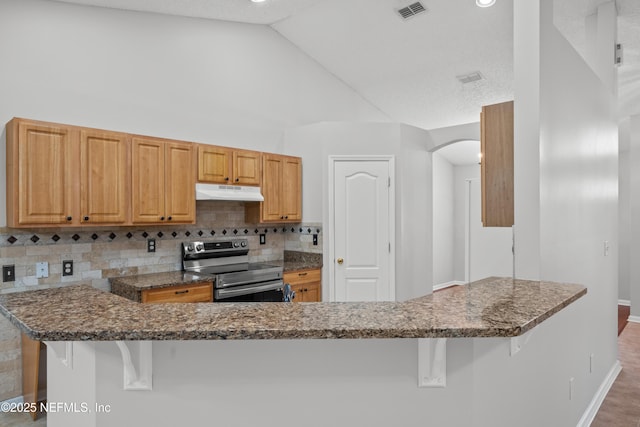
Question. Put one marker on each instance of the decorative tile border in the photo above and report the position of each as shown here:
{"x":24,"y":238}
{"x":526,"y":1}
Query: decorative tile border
{"x":18,"y":237}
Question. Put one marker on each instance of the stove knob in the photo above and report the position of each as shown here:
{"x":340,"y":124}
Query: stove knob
{"x":243,"y":244}
{"x":190,"y":248}
{"x":199,"y":248}
{"x":236,"y":244}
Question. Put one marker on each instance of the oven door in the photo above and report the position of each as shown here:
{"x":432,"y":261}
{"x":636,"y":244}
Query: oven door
{"x":257,"y":292}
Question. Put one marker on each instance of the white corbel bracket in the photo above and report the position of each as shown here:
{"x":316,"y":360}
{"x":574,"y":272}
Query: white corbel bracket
{"x":63,"y":351}
{"x":137,"y":368}
{"x":518,"y":343}
{"x":432,"y":362}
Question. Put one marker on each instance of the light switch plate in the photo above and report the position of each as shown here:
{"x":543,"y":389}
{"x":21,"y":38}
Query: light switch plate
{"x":42,"y":270}
{"x":263,"y":239}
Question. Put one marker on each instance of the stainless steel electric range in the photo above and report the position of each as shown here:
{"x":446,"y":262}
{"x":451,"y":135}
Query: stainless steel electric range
{"x":235,"y":278}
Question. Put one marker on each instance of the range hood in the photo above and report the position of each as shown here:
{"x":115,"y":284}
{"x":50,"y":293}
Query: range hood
{"x":228,"y":192}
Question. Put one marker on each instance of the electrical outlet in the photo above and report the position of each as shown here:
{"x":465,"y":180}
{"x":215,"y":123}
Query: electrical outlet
{"x":67,"y":268}
{"x":315,"y":240}
{"x":8,"y":273}
{"x":263,"y":239}
{"x":151,"y":245}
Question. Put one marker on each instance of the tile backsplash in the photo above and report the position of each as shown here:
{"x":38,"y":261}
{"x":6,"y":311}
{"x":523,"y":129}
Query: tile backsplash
{"x":102,"y":252}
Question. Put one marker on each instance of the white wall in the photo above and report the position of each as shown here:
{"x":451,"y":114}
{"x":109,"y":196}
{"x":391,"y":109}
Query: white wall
{"x":210,"y":81}
{"x":625,"y":223}
{"x":461,"y":175}
{"x":634,"y":211}
{"x":315,"y":143}
{"x":443,"y":220}
{"x":566,"y":193}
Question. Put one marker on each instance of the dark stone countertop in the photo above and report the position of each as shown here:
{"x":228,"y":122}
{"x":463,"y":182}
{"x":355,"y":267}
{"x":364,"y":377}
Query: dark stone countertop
{"x":492,"y":307}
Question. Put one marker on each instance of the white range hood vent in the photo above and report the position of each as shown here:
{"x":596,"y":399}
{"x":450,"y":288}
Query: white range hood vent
{"x":228,"y":192}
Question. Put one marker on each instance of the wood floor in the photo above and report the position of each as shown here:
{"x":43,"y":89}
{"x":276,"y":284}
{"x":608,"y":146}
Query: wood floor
{"x":621,"y":407}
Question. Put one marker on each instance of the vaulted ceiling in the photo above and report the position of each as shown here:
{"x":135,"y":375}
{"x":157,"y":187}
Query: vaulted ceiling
{"x":408,"y":68}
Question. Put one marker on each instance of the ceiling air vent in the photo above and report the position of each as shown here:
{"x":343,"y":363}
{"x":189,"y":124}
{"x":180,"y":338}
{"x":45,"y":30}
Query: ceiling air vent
{"x":469,"y":78}
{"x":411,"y":10}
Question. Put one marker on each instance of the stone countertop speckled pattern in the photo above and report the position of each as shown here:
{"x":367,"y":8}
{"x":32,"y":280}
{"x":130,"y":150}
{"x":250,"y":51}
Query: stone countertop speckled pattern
{"x":492,"y":307}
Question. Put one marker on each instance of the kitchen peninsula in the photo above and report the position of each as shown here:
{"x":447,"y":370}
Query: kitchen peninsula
{"x":177,"y":359}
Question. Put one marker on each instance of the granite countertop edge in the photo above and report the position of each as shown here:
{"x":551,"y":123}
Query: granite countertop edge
{"x":492,"y":307}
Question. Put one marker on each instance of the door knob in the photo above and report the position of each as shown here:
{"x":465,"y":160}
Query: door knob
{"x":340,"y":260}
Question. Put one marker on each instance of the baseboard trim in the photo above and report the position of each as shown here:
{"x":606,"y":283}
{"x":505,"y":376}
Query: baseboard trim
{"x":592,"y":410}
{"x":447,"y":284}
{"x":624,"y":302}
{"x":633,"y":319}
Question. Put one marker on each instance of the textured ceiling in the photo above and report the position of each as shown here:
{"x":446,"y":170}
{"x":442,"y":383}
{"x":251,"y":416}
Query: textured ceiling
{"x":407,"y":69}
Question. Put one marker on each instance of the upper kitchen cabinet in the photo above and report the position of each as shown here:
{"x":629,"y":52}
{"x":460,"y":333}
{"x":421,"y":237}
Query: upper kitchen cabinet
{"x":104,"y":177}
{"x":496,"y":166}
{"x":222,"y":165}
{"x":282,"y":191}
{"x":59,"y":175}
{"x":163,"y":181}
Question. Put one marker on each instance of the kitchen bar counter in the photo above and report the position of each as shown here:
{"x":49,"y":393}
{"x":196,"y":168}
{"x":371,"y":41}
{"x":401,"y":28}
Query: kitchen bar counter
{"x":492,"y":307}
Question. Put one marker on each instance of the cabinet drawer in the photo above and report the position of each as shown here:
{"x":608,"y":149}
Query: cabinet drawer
{"x":198,"y":292}
{"x":302,"y":276}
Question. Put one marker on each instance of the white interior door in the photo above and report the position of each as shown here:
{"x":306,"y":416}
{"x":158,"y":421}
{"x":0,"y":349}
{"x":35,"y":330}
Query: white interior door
{"x":362,"y":230}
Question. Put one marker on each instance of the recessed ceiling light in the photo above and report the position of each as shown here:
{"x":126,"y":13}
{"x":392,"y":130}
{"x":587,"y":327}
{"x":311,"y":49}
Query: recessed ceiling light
{"x":485,"y":3}
{"x":257,"y":1}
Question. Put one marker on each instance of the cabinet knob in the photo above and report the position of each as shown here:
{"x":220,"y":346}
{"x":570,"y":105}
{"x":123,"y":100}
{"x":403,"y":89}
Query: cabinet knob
{"x":237,"y":179}
{"x":286,"y":217}
{"x":281,"y":217}
{"x":169,"y":218}
{"x":86,"y":218}
{"x":340,"y":260}
{"x":69,"y":218}
{"x":306,"y":290}
{"x":161,"y":218}
{"x":226,"y":178}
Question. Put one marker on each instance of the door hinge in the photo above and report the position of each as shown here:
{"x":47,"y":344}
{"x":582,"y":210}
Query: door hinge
{"x":389,"y":247}
{"x":389,"y":182}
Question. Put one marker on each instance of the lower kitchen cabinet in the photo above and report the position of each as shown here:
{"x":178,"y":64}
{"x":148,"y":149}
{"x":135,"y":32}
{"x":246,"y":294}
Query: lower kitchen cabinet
{"x":197,"y":292}
{"x":307,"y":284}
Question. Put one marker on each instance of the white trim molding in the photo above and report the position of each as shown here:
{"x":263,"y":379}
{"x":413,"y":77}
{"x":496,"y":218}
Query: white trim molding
{"x":448,"y":284}
{"x":432,"y":362}
{"x":63,"y":351}
{"x":624,"y":302}
{"x":633,"y":319}
{"x":138,"y":369}
{"x":591,"y":411}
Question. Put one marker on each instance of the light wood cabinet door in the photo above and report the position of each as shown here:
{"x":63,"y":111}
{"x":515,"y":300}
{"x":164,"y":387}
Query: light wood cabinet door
{"x":163,"y":182}
{"x":271,"y":187}
{"x":148,"y":177}
{"x":246,"y":167}
{"x":307,"y":284}
{"x":42,"y":174}
{"x":197,"y":292}
{"x":496,"y":166}
{"x":214,"y":164}
{"x":282,"y":191}
{"x":180,"y":202}
{"x":291,"y":194}
{"x":104,"y":177}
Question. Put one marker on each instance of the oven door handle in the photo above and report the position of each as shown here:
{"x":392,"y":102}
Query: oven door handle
{"x":246,"y":290}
